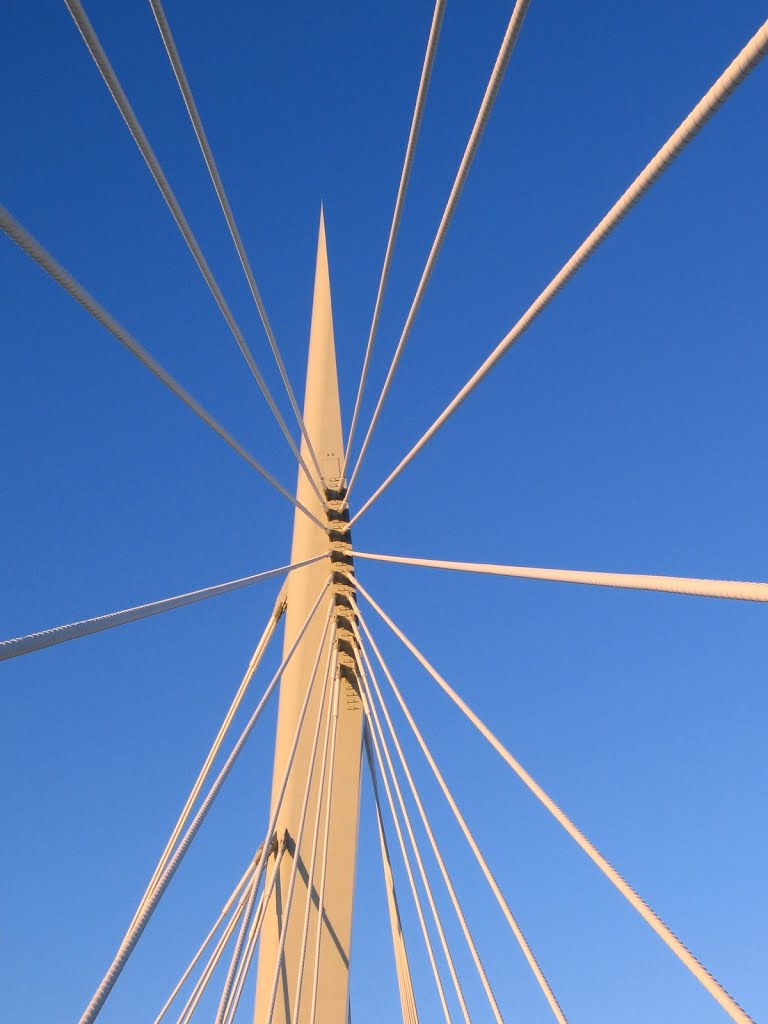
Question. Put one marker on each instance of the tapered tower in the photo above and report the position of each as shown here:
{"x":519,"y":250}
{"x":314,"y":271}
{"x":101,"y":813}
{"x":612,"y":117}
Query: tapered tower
{"x":322,"y":418}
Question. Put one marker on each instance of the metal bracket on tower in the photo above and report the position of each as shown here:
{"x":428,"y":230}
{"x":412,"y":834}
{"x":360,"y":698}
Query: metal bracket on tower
{"x":343,"y":587}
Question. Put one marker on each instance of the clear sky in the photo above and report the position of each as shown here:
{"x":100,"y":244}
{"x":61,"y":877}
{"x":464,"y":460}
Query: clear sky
{"x":626,"y":432}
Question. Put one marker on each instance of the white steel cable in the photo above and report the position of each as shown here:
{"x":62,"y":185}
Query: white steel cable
{"x":250,"y":947}
{"x":211,"y":964}
{"x":286,"y":914}
{"x":517,"y":931}
{"x":315,"y":837}
{"x":132,"y":937}
{"x":117,"y":92}
{"x":715,"y":989}
{"x":191,"y":1005}
{"x":734,"y":589}
{"x":253,"y":937}
{"x":402,"y":965}
{"x":494,"y":83}
{"x":410,"y":150}
{"x":247,"y":958}
{"x":373,"y":686}
{"x":211,"y":756}
{"x":221,"y":1012}
{"x":215,"y":927}
{"x":370,"y":736}
{"x":371,"y":712}
{"x":726,"y":84}
{"x":16,"y":647}
{"x":226,"y":208}
{"x":46,"y":262}
{"x":236,"y":964}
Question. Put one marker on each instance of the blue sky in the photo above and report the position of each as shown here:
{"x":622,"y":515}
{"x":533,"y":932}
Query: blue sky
{"x":625,"y":432}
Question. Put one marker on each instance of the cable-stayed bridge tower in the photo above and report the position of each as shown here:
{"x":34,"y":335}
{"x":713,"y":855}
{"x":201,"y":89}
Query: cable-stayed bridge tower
{"x":290,"y":914}
{"x":337,"y":807}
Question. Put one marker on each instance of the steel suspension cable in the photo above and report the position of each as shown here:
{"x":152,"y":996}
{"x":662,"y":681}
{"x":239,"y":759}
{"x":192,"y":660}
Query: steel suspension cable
{"x":733,"y":589}
{"x":18,"y":646}
{"x":315,"y":836}
{"x":494,"y":83}
{"x":253,"y":937}
{"x":402,"y":966}
{"x":298,"y":840}
{"x":226,"y":208}
{"x":236,"y":892}
{"x":726,"y":1001}
{"x":221,"y":1012}
{"x":278,"y":849}
{"x":374,"y":688}
{"x":250,"y":947}
{"x":132,"y":937}
{"x":248,"y":924}
{"x":410,"y":150}
{"x":18,"y":234}
{"x":237,"y":700}
{"x":117,"y":92}
{"x":327,"y":832}
{"x":247,"y":958}
{"x":210,"y":966}
{"x":517,"y":931}
{"x":726,"y":84}
{"x":373,"y":717}
{"x":370,"y":736}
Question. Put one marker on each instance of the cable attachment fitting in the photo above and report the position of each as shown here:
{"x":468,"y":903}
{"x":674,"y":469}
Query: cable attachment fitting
{"x":337,"y":513}
{"x":343,"y":589}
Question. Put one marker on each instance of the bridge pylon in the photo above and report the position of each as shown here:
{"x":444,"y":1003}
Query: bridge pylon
{"x":322,"y":417}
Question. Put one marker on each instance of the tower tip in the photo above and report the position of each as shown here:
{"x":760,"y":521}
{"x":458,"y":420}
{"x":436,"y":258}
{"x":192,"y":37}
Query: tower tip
{"x":322,"y":246}
{"x":321,"y":404}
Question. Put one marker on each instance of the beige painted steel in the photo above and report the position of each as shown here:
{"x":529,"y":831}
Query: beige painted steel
{"x":322,"y":417}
